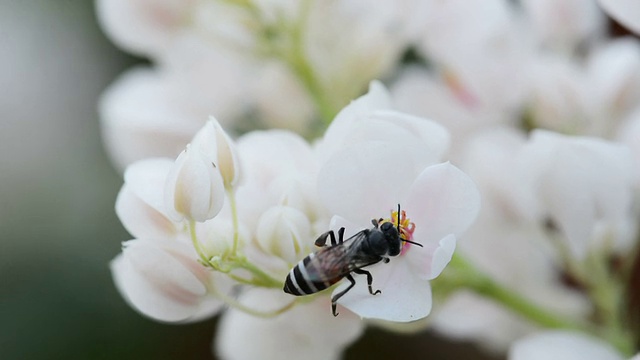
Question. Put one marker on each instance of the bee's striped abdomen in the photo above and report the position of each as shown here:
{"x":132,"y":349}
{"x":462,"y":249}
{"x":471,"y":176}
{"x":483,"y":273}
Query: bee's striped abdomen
{"x":300,"y":283}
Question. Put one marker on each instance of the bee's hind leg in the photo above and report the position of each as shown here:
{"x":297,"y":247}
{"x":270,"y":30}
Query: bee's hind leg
{"x":339,"y":295}
{"x":369,"y":280}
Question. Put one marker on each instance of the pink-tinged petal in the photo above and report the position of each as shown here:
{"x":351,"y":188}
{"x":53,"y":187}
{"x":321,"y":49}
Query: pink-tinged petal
{"x":562,"y":345}
{"x":141,"y":219}
{"x":626,"y":12}
{"x":162,"y":280}
{"x":442,"y":200}
{"x":429,"y":261}
{"x":365,"y":181}
{"x":405,"y":295}
{"x":141,"y":26}
{"x":308,"y":331}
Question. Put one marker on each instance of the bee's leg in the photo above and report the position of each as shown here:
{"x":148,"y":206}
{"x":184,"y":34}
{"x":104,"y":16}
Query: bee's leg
{"x":339,"y":295}
{"x":369,"y":280}
{"x":340,"y":237}
{"x":322,"y":239}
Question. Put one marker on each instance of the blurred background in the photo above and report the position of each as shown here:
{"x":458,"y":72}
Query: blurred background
{"x":57,"y":193}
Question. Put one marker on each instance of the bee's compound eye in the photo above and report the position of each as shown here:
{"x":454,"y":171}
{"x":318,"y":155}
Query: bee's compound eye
{"x":386,"y":226}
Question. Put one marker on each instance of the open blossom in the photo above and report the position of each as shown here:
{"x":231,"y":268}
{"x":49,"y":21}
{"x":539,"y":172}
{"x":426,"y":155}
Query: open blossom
{"x":364,"y":178}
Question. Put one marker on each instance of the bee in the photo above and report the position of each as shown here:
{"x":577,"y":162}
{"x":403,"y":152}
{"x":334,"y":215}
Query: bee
{"x":343,"y":258}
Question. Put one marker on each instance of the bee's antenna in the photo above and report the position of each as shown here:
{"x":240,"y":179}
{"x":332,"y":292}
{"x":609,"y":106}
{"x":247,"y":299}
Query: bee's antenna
{"x":412,"y":242}
{"x":398,"y":219}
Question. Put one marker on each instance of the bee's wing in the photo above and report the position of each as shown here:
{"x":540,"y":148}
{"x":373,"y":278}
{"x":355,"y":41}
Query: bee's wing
{"x":334,"y":262}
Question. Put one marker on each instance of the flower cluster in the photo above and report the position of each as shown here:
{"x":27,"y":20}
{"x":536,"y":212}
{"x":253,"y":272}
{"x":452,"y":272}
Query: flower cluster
{"x":538,"y":101}
{"x":226,"y":221}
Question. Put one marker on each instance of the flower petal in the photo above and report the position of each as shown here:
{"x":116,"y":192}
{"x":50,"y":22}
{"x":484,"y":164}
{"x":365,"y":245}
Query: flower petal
{"x":442,"y":200}
{"x":161,"y":280}
{"x":429,"y":261}
{"x":405,"y":297}
{"x":365,"y":181}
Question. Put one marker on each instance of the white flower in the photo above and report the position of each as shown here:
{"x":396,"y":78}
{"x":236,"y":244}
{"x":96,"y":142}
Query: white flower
{"x":308,"y":331}
{"x":565,"y":23}
{"x":194,"y":188}
{"x":562,"y":345}
{"x":365,"y":182}
{"x":627,"y":12}
{"x":162,"y":280}
{"x":216,"y":144}
{"x":584,"y":185}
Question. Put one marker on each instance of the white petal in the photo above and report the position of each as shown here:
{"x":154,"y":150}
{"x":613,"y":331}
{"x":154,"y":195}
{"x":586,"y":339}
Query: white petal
{"x":627,"y":12}
{"x":140,"y":26}
{"x":365,"y":181}
{"x":442,"y":200}
{"x":146,"y":179}
{"x":140,"y":219}
{"x":562,"y":345}
{"x":308,"y":331}
{"x":430,"y":260}
{"x":405,"y":296}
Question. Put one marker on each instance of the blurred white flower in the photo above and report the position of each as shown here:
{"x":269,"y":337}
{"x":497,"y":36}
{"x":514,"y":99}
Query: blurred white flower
{"x":507,"y":243}
{"x":562,"y":345}
{"x":627,"y":12}
{"x":144,"y":27}
{"x":162,"y":280}
{"x":584,"y":186}
{"x":307,"y":331}
{"x":194,"y":187}
{"x":566,"y":24}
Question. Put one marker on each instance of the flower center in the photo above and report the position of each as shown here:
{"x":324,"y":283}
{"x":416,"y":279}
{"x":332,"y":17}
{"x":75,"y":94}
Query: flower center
{"x":406,"y":228}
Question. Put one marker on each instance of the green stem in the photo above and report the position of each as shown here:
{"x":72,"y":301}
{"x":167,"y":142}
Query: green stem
{"x":196,"y":243}
{"x":239,"y":306}
{"x":462,"y":274}
{"x":301,"y":66}
{"x":263,"y":279}
{"x":234,"y":219}
{"x":474,"y":279}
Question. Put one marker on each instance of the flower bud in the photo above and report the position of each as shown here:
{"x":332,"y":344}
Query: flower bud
{"x":194,"y":187}
{"x":284,"y":232}
{"x":218,"y":147}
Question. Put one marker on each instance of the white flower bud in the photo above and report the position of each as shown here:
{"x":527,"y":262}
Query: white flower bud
{"x":284,"y":232}
{"x":214,"y":143}
{"x":194,"y":187}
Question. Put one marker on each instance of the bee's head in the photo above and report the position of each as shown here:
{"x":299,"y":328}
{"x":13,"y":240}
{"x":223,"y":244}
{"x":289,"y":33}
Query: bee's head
{"x":392,"y":238}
